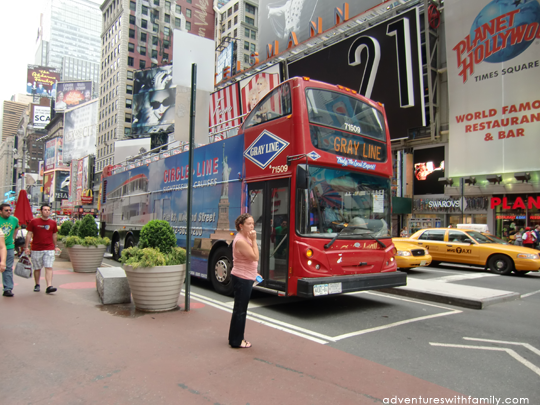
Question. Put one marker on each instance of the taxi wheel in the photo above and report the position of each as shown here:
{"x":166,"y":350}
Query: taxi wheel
{"x":501,"y":264}
{"x":435,"y":263}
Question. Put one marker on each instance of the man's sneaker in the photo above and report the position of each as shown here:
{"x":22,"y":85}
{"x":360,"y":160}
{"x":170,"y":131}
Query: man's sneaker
{"x":8,"y":293}
{"x":36,"y":288}
{"x":50,"y":289}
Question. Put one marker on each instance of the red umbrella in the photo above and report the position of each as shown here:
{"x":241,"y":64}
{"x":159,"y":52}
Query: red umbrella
{"x":23,"y":210}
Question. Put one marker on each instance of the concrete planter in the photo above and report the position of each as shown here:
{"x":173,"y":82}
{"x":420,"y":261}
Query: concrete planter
{"x":156,"y":289}
{"x":86,"y":259}
{"x":65,"y":253}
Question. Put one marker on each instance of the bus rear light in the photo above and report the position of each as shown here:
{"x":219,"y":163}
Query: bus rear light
{"x":347,"y":89}
{"x":289,"y":117}
{"x":309,"y":253}
{"x":306,"y":78}
{"x":354,"y":91}
{"x":339,"y":86}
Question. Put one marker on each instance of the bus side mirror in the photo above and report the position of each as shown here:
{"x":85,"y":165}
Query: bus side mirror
{"x":301,"y":178}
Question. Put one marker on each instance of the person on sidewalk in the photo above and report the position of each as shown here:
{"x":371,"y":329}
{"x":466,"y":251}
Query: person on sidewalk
{"x":3,"y":252}
{"x":529,"y":238}
{"x":43,"y":233}
{"x":244,"y":273}
{"x":10,"y":226}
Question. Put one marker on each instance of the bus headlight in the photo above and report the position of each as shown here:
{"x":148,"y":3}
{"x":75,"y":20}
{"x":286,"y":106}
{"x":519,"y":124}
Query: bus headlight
{"x":527,"y":256}
{"x":404,"y":253}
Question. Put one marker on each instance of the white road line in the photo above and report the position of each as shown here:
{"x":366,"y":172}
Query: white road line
{"x":459,"y":277}
{"x":529,"y":294}
{"x":527,"y":345}
{"x":391,"y":325}
{"x":511,"y":352}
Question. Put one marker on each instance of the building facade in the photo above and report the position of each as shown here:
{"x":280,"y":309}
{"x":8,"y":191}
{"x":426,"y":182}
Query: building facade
{"x":137,"y":34}
{"x":6,"y":164}
{"x":69,"y":38}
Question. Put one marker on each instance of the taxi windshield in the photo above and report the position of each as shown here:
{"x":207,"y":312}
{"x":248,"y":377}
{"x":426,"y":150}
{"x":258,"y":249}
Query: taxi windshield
{"x":478,"y":237}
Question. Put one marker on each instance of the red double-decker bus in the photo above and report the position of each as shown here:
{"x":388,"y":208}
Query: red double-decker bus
{"x":311,"y":163}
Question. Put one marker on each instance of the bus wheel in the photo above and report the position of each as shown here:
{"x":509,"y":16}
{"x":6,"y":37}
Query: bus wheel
{"x":129,"y":242}
{"x":220,"y":271}
{"x":115,"y":247}
{"x":501,"y":264}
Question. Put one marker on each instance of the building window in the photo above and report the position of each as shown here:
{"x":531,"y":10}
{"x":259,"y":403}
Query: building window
{"x":250,"y":20}
{"x":178,"y":9}
{"x":144,"y":23}
{"x":229,"y":25}
{"x":144,"y":10}
{"x":246,"y":58}
{"x":166,"y":56}
{"x":155,"y":28}
{"x":177,"y":22}
{"x":188,"y":26}
{"x":154,"y":40}
{"x":154,"y":53}
{"x":132,"y":6}
{"x":250,"y":9}
{"x":229,"y":12}
{"x":188,"y":13}
{"x":246,"y":34}
{"x":130,"y":75}
{"x":127,"y":131}
{"x":235,"y":33}
{"x":130,"y":61}
{"x":128,"y":118}
{"x":188,"y":1}
{"x":253,"y":35}
{"x":131,"y":33}
{"x":132,"y":19}
{"x":236,"y":7}
{"x":143,"y":37}
{"x":167,"y":18}
{"x":131,"y":47}
{"x":166,"y":31}
{"x":128,"y":103}
{"x":235,"y":19}
{"x":252,"y":47}
{"x":246,"y":45}
{"x":142,"y":50}
{"x":142,"y":64}
{"x":166,"y":44}
{"x":167,"y":5}
{"x":156,"y":14}
{"x":156,"y":2}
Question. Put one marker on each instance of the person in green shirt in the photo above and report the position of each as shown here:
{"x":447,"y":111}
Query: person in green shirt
{"x":9,"y":226}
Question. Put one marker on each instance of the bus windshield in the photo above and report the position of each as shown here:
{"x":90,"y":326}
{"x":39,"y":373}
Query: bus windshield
{"x":345,"y":113}
{"x":338,"y":199}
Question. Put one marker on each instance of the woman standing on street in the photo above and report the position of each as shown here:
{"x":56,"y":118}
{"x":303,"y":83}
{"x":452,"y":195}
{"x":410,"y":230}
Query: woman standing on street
{"x":244,"y":273}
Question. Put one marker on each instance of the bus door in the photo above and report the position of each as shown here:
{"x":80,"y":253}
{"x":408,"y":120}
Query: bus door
{"x":269,"y":204}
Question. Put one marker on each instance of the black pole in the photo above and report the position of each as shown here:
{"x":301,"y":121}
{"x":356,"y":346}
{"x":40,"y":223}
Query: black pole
{"x":462,"y":186}
{"x":190,"y":181}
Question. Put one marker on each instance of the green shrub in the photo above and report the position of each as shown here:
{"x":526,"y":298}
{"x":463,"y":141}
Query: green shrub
{"x":74,"y":231}
{"x":88,"y":227}
{"x":158,"y":234}
{"x":71,"y":241}
{"x":65,"y":228}
{"x":152,"y":257}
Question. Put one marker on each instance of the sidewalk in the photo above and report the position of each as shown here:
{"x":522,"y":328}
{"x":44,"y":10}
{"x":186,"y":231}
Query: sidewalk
{"x":67,"y":348}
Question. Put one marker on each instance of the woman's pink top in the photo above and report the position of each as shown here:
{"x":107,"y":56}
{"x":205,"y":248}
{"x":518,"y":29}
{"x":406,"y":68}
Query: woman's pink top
{"x":243,"y":267}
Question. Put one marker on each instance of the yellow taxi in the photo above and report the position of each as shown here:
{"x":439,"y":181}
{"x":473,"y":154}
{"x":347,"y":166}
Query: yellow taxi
{"x":409,"y":255}
{"x":466,"y":246}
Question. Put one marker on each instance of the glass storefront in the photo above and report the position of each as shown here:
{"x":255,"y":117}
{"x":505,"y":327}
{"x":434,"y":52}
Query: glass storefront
{"x":515,"y":212}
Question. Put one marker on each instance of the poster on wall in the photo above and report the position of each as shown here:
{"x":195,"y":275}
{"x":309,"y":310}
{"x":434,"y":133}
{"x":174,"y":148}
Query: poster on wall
{"x":41,"y":116}
{"x":428,"y":169}
{"x":48,"y":179}
{"x":493,"y":56}
{"x":62,"y":185}
{"x":42,"y":81}
{"x":80,"y":129}
{"x":72,"y":94}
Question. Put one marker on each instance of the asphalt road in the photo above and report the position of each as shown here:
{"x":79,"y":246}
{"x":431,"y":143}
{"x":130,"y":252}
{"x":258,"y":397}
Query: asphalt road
{"x":491,"y":353}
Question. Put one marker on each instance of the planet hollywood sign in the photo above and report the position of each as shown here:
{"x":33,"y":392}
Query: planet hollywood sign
{"x":518,"y":203}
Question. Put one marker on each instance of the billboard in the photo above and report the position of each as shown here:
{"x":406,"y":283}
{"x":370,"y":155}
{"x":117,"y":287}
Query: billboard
{"x":84,"y":185}
{"x":129,"y":148}
{"x":428,"y":169}
{"x":278,"y":18}
{"x":50,"y":154}
{"x":224,"y":108}
{"x":72,"y":94}
{"x":382,"y":63}
{"x":41,"y":116}
{"x":493,"y":57}
{"x":80,"y":128}
{"x":153,"y":101}
{"x":48,"y":186}
{"x":61,"y":185}
{"x":41,"y":81}
{"x":257,"y":86}
{"x":189,"y":49}
{"x":224,"y":59}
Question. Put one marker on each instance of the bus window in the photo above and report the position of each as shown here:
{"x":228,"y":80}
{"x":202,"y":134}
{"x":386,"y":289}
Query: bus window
{"x":337,"y":199}
{"x":274,"y":105}
{"x":345,"y":113}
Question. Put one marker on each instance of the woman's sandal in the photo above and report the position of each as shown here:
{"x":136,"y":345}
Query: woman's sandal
{"x":244,"y":345}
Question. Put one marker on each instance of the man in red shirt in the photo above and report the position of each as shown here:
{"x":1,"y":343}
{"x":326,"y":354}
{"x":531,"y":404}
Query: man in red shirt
{"x":43,"y":233}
